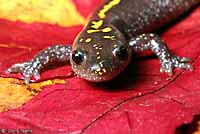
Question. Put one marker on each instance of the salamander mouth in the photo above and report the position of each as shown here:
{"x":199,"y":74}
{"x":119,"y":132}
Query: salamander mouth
{"x":89,"y":75}
{"x":92,"y":76}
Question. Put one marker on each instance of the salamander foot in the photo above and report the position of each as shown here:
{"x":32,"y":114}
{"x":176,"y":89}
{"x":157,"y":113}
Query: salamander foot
{"x":28,"y":70}
{"x":167,"y":65}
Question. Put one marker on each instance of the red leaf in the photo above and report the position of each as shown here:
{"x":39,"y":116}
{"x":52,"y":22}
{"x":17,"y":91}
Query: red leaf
{"x":140,"y":101}
{"x":85,"y":7}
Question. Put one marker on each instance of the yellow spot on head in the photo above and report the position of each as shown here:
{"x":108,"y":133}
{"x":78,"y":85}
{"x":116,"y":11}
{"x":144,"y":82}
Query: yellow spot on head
{"x":98,"y":70}
{"x":100,"y":73}
{"x":98,"y":57}
{"x":97,"y":24}
{"x":81,"y":40}
{"x":92,"y":31}
{"x":104,"y":70}
{"x":109,"y":37}
{"x":97,"y":53}
{"x":107,"y":7}
{"x":101,"y":64}
{"x":107,"y":29}
{"x":88,"y":40}
{"x":94,"y":45}
{"x":115,"y":46}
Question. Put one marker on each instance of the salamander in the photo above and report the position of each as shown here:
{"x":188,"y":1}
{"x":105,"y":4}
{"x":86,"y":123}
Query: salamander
{"x":115,"y":30}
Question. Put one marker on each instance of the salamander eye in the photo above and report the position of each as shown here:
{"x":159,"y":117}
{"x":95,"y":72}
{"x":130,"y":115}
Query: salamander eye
{"x":77,"y":56}
{"x":120,"y":52}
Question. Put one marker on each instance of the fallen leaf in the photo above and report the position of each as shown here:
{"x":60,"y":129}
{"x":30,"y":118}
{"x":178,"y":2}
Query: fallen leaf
{"x":52,"y":12}
{"x":140,"y":101}
{"x":14,"y":93}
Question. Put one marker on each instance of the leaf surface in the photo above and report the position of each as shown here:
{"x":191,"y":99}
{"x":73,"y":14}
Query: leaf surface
{"x":140,"y":101}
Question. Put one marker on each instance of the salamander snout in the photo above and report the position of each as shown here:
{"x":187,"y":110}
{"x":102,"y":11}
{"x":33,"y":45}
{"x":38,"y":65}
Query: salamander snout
{"x":95,"y":68}
{"x":100,"y":66}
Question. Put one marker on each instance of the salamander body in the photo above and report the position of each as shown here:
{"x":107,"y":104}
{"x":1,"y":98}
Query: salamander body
{"x":115,"y":30}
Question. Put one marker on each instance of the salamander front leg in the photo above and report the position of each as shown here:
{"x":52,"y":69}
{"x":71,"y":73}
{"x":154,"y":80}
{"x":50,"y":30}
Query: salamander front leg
{"x":33,"y":67}
{"x":156,"y":44}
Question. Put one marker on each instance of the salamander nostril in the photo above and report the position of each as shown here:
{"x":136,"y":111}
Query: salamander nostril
{"x":95,"y":67}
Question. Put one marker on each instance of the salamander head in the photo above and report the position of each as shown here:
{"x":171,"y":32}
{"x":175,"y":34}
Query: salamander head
{"x":98,"y":57}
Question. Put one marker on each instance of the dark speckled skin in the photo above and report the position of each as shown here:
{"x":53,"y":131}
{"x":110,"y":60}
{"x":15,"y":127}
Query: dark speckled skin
{"x":115,"y":30}
{"x":144,"y":16}
{"x":128,"y":19}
